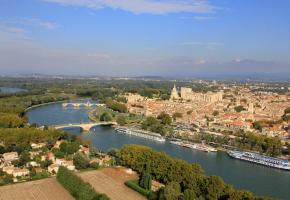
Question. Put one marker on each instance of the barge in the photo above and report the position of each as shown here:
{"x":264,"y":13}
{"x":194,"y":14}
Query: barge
{"x":141,"y":133}
{"x":260,"y":159}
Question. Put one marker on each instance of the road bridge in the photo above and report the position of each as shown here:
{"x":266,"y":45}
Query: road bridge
{"x":84,"y":126}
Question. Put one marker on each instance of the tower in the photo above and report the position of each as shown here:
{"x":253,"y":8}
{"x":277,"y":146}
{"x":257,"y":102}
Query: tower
{"x":174,"y":93}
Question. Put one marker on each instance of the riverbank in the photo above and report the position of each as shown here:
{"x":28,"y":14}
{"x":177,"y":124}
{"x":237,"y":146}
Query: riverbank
{"x":261,"y":180}
{"x":44,"y":104}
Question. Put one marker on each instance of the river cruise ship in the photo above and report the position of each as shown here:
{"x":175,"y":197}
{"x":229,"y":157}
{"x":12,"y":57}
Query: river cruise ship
{"x":141,"y":133}
{"x":260,"y":159}
{"x":201,"y":147}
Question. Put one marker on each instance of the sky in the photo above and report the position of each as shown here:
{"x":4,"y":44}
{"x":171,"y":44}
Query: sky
{"x":186,"y":38}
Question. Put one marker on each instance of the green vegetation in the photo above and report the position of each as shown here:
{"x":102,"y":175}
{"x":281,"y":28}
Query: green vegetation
{"x":106,"y":117}
{"x":177,"y":115}
{"x":239,"y":108}
{"x":116,"y":106}
{"x":11,"y":120}
{"x":79,"y":189}
{"x":20,"y":139}
{"x":181,"y":178}
{"x":80,"y":161}
{"x":165,"y":118}
{"x":154,"y":125}
{"x":133,"y":184}
{"x":286,"y":116}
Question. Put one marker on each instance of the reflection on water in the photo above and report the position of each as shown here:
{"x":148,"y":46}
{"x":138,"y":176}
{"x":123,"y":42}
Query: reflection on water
{"x":259,"y":179}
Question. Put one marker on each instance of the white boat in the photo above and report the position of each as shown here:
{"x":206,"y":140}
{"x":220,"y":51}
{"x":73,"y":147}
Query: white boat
{"x":141,"y":133}
{"x":260,"y":159}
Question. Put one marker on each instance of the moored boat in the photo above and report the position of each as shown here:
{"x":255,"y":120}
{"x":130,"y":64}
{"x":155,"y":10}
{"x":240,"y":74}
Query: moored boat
{"x":260,"y":159}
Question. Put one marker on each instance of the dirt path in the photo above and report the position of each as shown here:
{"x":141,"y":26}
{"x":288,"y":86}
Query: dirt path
{"x":111,"y":182}
{"x":45,"y":189}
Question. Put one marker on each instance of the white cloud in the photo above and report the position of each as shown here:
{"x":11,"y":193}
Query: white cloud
{"x":203,"y":18}
{"x":145,"y":6}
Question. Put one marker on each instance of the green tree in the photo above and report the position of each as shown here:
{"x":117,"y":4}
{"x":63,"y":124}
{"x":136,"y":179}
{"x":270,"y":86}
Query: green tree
{"x":105,"y":117}
{"x":80,"y":161}
{"x":172,"y":191}
{"x":165,"y":118}
{"x":189,"y":195}
{"x":69,"y":147}
{"x":239,"y":108}
{"x":257,"y":125}
{"x":145,"y":181}
{"x":215,"y":113}
{"x":177,"y":115}
{"x":121,"y":120}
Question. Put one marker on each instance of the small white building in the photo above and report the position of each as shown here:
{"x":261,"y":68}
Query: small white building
{"x":11,"y":156}
{"x":53,"y":168}
{"x":20,"y":172}
{"x":37,"y":145}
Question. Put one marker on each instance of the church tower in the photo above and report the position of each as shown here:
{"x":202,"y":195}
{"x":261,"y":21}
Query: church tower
{"x":174,"y":93}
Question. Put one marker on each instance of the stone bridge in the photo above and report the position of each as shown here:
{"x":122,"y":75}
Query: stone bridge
{"x":85,"y":126}
{"x":77,"y":105}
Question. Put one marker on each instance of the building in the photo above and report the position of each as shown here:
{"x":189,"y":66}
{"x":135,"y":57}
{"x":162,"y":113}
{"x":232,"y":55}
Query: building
{"x":20,"y":172}
{"x":11,"y":156}
{"x":53,"y":168}
{"x":174,"y":93}
{"x":187,"y":94}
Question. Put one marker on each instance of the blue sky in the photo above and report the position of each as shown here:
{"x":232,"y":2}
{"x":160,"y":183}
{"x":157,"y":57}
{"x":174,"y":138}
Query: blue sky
{"x":145,"y":37}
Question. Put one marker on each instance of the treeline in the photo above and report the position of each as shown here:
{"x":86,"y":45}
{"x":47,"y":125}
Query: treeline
{"x":116,"y":106}
{"x":12,"y":108}
{"x":26,"y":136}
{"x":160,"y":125}
{"x":11,"y":120}
{"x":79,"y":189}
{"x":183,"y":180}
{"x":267,"y":145}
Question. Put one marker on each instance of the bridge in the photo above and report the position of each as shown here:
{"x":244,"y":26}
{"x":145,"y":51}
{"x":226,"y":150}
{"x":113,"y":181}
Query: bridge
{"x":84,"y":126}
{"x":77,"y":105}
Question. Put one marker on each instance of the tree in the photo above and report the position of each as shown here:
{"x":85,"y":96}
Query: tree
{"x":239,"y":108}
{"x":257,"y":125}
{"x":69,"y":147}
{"x":165,"y":118}
{"x":145,"y":181}
{"x":189,"y":195}
{"x":80,"y":161}
{"x":215,"y":113}
{"x":172,"y":191}
{"x":121,"y":120}
{"x":177,"y":115}
{"x":105,"y":117}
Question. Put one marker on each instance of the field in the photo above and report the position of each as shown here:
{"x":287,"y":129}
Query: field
{"x":45,"y":189}
{"x":111,"y":182}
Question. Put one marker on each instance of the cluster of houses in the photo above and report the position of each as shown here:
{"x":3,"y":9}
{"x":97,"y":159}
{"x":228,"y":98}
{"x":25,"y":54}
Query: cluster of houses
{"x":37,"y":155}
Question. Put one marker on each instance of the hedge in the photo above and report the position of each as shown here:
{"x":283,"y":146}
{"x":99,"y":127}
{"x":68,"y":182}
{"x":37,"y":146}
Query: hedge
{"x":79,"y":189}
{"x":133,"y":184}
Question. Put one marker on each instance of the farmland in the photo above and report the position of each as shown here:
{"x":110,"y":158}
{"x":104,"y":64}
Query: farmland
{"x":45,"y":189}
{"x":111,"y":182}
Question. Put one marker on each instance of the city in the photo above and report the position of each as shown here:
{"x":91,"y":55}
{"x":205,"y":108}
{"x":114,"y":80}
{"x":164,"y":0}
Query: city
{"x":144,"y":99}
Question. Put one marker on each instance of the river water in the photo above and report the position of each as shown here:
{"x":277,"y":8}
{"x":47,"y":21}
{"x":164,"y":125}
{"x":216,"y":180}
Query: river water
{"x":9,"y":90}
{"x":243,"y":175}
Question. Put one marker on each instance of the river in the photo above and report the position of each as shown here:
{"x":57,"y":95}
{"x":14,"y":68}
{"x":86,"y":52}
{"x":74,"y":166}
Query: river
{"x":10,"y":90}
{"x":259,"y":179}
